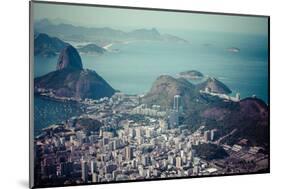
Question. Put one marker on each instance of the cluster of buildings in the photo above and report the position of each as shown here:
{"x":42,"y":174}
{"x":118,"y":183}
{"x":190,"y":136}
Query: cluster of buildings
{"x":220,"y":95}
{"x":133,"y":143}
{"x":210,"y":135}
{"x":49,"y":93}
{"x":154,"y":111}
{"x":135,"y":152}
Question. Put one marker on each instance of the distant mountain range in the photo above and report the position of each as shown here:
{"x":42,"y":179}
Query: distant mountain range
{"x":145,"y":34}
{"x":71,"y":80}
{"x":47,"y":46}
{"x":70,"y":32}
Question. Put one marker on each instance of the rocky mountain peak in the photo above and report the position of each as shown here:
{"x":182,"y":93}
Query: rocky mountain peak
{"x":69,"y":58}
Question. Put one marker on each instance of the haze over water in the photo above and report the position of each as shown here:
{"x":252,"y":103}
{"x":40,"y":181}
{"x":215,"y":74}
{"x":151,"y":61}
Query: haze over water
{"x":135,"y":67}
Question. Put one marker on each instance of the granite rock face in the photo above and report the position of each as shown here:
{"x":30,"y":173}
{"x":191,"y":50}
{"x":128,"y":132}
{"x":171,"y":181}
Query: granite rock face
{"x":71,"y":80}
{"x":69,"y":58}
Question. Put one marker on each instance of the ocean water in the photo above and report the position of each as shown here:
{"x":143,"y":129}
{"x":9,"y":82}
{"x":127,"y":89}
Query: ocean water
{"x":135,"y":67}
{"x":48,"y":112}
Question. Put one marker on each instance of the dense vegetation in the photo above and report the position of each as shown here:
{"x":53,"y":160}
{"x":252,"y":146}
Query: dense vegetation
{"x":248,"y":117}
{"x":210,"y":151}
{"x":47,"y":46}
{"x":88,"y":124}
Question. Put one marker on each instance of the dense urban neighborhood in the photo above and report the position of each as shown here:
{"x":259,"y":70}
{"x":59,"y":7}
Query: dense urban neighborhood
{"x":119,"y":139}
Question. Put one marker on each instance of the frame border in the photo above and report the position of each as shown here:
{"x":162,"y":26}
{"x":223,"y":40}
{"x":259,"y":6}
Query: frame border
{"x":31,"y":96}
{"x":146,"y":8}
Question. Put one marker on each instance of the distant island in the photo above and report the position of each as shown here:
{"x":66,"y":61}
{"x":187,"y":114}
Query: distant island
{"x":91,"y":49}
{"x":233,"y":50}
{"x":191,"y":74}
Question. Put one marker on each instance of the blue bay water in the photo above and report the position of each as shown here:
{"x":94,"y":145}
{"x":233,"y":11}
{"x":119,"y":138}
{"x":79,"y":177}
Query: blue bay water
{"x":138,"y":64}
{"x":48,"y":112}
{"x":135,"y":67}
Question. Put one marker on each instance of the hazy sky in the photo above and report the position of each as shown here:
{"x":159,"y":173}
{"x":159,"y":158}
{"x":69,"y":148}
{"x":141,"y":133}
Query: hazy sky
{"x":124,"y":18}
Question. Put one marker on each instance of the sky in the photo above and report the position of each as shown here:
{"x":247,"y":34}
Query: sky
{"x":118,"y":18}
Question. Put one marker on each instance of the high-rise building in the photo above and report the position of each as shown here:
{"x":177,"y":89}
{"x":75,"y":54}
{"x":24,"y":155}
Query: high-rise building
{"x":148,"y":132}
{"x":84,"y":172}
{"x":237,"y":96}
{"x":191,"y":154}
{"x":129,"y":153}
{"x":94,"y":177}
{"x":109,"y":168}
{"x":171,"y":160}
{"x":105,"y":141}
{"x":138,"y":132}
{"x":207,"y":136}
{"x":141,"y":171}
{"x":134,"y":163}
{"x":101,"y":133}
{"x":66,"y":168}
{"x":116,"y":144}
{"x":93,"y":166}
{"x":177,"y":103}
{"x":145,"y":160}
{"x":182,"y":153}
{"x":163,"y":124}
{"x":140,"y":140}
{"x":213,"y":134}
{"x":132,"y":132}
{"x":196,"y":170}
{"x":178,"y":162}
{"x":173,"y":119}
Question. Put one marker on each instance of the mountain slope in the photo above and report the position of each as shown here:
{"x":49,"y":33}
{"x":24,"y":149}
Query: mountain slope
{"x":75,"y":83}
{"x":247,"y":118}
{"x":69,"y":59}
{"x":165,"y":88}
{"x":214,"y":85}
{"x":47,"y":46}
{"x":71,"y":80}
